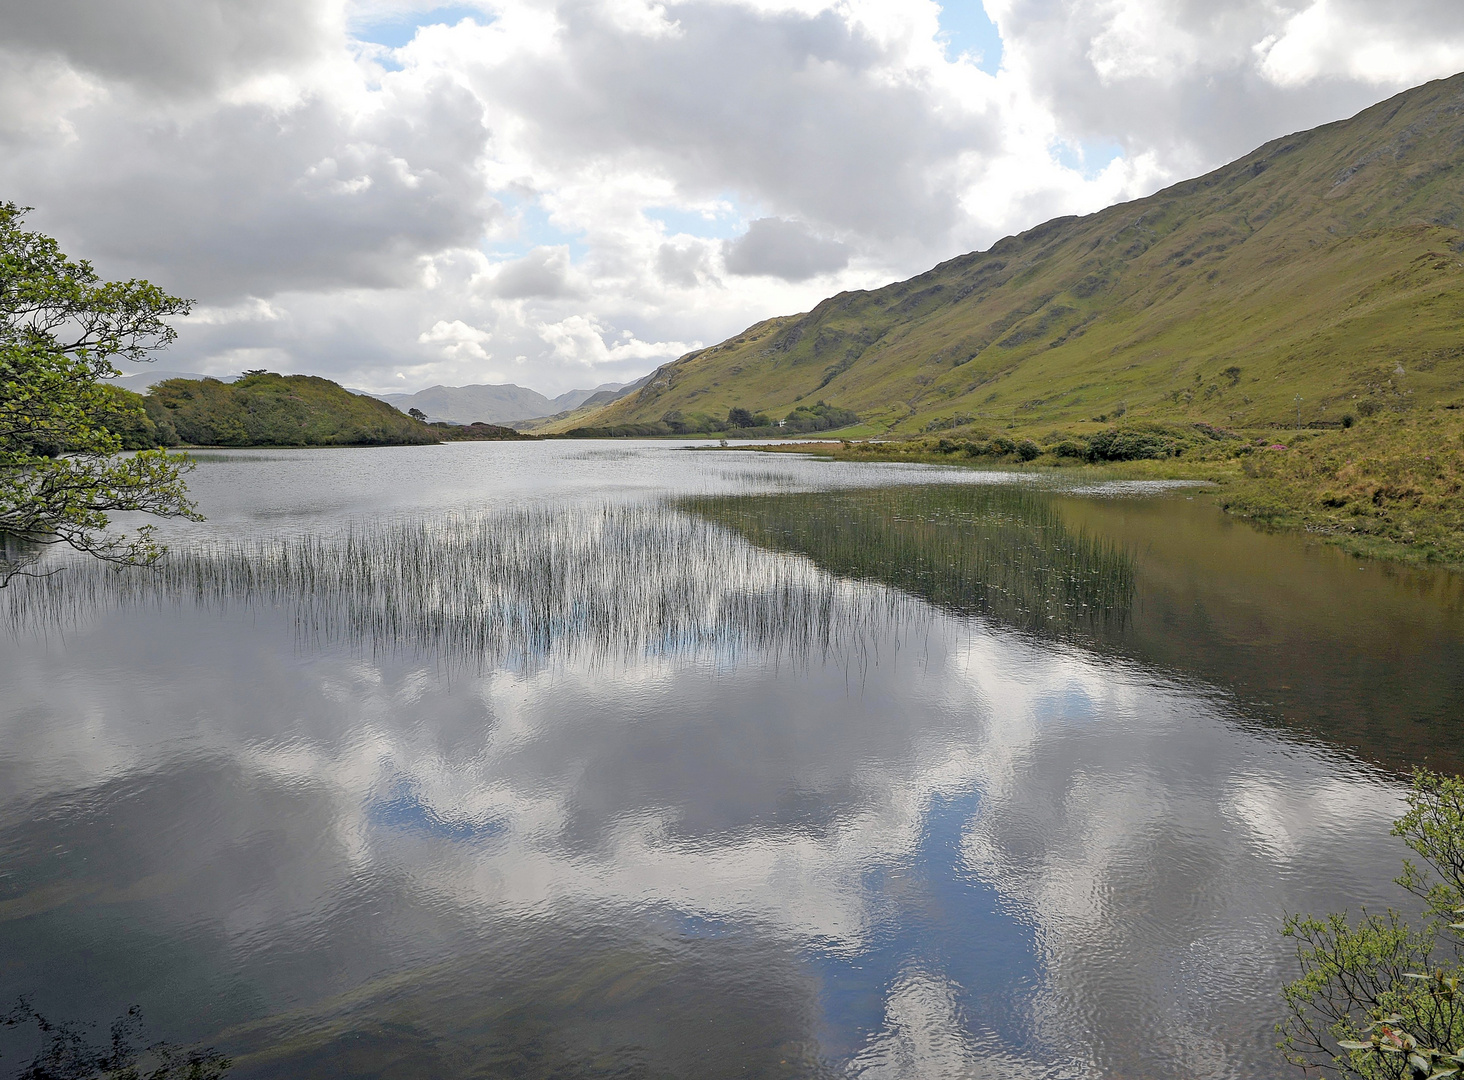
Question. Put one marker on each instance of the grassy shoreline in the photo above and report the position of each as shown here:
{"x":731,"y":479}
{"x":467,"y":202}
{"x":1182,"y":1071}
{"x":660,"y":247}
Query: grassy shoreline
{"x":1390,"y":487}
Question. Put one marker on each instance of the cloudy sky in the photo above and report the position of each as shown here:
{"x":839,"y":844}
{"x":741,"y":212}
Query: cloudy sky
{"x":561,"y":193}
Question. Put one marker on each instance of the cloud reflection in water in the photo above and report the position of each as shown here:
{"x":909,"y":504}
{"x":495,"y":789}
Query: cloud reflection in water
{"x":519,"y":784}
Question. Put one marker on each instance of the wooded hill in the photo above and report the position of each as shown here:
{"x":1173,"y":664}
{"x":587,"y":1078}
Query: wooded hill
{"x":1321,"y":272}
{"x":264,"y":409}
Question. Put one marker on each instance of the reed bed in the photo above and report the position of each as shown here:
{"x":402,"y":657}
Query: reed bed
{"x":513,"y":589}
{"x":799,"y":576}
{"x":1003,"y":553}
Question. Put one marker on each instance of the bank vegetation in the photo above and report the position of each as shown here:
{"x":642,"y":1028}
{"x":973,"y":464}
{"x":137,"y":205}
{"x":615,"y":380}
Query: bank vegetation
{"x":1389,"y":485}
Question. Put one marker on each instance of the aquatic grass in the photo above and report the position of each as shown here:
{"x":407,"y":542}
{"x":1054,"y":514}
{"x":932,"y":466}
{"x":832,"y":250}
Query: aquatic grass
{"x":1000,"y":552}
{"x":796,"y":575}
{"x":517,"y":588}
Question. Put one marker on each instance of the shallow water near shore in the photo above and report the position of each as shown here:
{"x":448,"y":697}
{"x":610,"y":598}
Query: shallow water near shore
{"x":584,"y":759}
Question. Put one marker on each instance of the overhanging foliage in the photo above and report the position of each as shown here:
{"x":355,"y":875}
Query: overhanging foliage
{"x":61,"y":328}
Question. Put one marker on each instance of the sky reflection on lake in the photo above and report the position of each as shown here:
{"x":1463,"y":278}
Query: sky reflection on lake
{"x":711,"y":811}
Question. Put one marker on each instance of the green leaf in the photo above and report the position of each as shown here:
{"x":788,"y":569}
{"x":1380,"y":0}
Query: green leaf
{"x":61,"y":426}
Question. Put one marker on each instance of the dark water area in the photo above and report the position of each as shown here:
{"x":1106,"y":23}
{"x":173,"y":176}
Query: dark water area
{"x":1373,"y":662}
{"x":1362,"y":654}
{"x":617,"y":759}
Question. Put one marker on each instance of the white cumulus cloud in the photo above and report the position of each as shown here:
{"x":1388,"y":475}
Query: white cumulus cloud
{"x":590,"y":186}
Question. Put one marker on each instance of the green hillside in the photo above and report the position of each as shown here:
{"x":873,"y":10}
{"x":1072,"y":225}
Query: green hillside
{"x":1325,"y":264}
{"x":264,"y":409}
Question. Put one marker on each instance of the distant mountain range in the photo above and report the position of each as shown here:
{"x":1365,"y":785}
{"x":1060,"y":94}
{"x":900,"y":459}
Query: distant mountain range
{"x":501,"y":403}
{"x":1318,"y":277}
{"x":147,"y":377}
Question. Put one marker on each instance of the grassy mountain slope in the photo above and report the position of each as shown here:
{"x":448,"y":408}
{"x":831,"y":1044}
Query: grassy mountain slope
{"x":1325,"y":264}
{"x":572,"y":415}
{"x":262,"y":409}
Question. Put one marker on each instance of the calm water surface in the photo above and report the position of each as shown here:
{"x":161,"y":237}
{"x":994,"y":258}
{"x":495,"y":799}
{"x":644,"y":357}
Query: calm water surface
{"x":584,"y":759}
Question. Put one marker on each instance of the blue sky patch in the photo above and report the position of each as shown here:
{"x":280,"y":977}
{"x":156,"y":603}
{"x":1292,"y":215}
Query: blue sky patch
{"x":535,"y":230}
{"x":1089,"y":156}
{"x":967,"y":28}
{"x":719,"y":226}
{"x":397,"y":30}
{"x":934,"y":917}
{"x":939,"y":920}
{"x":406,"y":810}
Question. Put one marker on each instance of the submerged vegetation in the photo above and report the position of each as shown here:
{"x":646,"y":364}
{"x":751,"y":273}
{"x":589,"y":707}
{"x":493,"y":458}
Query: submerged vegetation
{"x":995,"y":551}
{"x":1379,"y":999}
{"x":597,"y":1002}
{"x":65,"y":1051}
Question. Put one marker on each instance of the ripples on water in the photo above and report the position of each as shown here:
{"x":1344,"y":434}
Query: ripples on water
{"x":740,"y":778}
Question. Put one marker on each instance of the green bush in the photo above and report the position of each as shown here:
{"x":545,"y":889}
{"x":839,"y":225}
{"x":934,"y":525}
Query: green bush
{"x":1134,"y":444}
{"x":819,"y":417}
{"x":1377,"y":998}
{"x":989,"y":446}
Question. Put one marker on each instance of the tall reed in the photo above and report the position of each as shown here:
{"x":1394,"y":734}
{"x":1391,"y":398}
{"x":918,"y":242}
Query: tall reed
{"x":515,"y":588}
{"x":1000,"y":552}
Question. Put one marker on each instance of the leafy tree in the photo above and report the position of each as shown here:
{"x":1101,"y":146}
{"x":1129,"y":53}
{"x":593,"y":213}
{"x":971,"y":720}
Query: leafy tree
{"x":738,"y":417}
{"x":61,"y":327}
{"x":1378,"y":999}
{"x":127,"y":418}
{"x":416,"y":414}
{"x":67,"y":1054}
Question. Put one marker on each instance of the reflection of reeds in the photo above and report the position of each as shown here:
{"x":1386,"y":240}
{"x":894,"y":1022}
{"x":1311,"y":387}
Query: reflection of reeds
{"x":1000,"y":552}
{"x":513,"y":589}
{"x":16,"y":556}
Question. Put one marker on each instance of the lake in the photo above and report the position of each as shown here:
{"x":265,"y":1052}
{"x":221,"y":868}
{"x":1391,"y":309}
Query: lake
{"x":624,"y":759}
